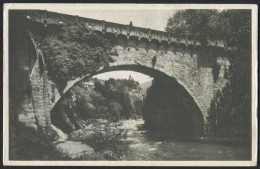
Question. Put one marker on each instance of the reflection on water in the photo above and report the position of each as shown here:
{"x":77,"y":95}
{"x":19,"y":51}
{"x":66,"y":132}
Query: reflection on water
{"x":142,"y":147}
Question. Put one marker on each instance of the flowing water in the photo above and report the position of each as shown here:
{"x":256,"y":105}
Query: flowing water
{"x":143,"y":147}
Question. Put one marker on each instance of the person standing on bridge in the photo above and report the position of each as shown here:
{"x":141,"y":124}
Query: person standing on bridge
{"x":154,"y":61}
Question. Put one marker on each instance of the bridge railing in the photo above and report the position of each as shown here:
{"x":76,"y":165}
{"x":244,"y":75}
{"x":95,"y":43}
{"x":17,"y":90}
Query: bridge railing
{"x":102,"y":26}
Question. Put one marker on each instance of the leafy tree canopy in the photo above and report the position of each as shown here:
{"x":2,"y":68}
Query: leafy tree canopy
{"x":230,"y":25}
{"x":72,"y":51}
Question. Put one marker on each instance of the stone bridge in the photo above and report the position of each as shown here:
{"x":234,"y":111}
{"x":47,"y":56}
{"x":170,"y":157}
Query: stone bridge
{"x":187,"y":62}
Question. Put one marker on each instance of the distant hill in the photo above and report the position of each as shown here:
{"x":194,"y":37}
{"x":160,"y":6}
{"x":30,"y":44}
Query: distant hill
{"x":144,"y":86}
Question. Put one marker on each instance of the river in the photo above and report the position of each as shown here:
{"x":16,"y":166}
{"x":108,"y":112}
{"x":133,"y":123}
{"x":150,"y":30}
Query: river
{"x":144,"y":147}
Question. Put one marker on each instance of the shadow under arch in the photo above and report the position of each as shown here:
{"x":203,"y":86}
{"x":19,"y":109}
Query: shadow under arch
{"x":195,"y":112}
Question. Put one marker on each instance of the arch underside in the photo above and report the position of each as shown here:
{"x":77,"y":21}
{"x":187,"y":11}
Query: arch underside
{"x":187,"y":100}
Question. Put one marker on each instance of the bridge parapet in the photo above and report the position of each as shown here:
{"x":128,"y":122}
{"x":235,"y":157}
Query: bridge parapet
{"x":52,"y":18}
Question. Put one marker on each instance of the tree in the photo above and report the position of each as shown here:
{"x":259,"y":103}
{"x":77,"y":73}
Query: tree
{"x":230,"y":25}
{"x":97,"y":98}
{"x":114,"y":111}
{"x":194,"y":24}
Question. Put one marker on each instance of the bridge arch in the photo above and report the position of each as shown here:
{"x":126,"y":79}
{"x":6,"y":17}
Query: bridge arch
{"x":182,"y":92}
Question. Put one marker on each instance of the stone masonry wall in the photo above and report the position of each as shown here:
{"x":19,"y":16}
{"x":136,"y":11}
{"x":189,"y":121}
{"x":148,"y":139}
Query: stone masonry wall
{"x":36,"y":108}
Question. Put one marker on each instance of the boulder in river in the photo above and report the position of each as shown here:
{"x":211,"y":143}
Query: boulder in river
{"x":76,"y":151}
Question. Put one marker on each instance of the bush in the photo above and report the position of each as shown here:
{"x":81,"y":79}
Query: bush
{"x":108,"y":138}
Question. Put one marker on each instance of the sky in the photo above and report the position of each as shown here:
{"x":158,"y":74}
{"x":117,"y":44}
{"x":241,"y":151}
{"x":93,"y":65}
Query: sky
{"x":154,"y":19}
{"x":142,"y":15}
{"x":141,"y":78}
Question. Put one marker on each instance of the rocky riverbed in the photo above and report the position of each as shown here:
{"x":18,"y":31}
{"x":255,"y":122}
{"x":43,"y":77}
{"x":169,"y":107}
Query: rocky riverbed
{"x":142,"y":145}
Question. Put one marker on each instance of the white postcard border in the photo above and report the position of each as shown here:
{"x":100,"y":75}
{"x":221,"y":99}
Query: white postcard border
{"x":78,"y":6}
